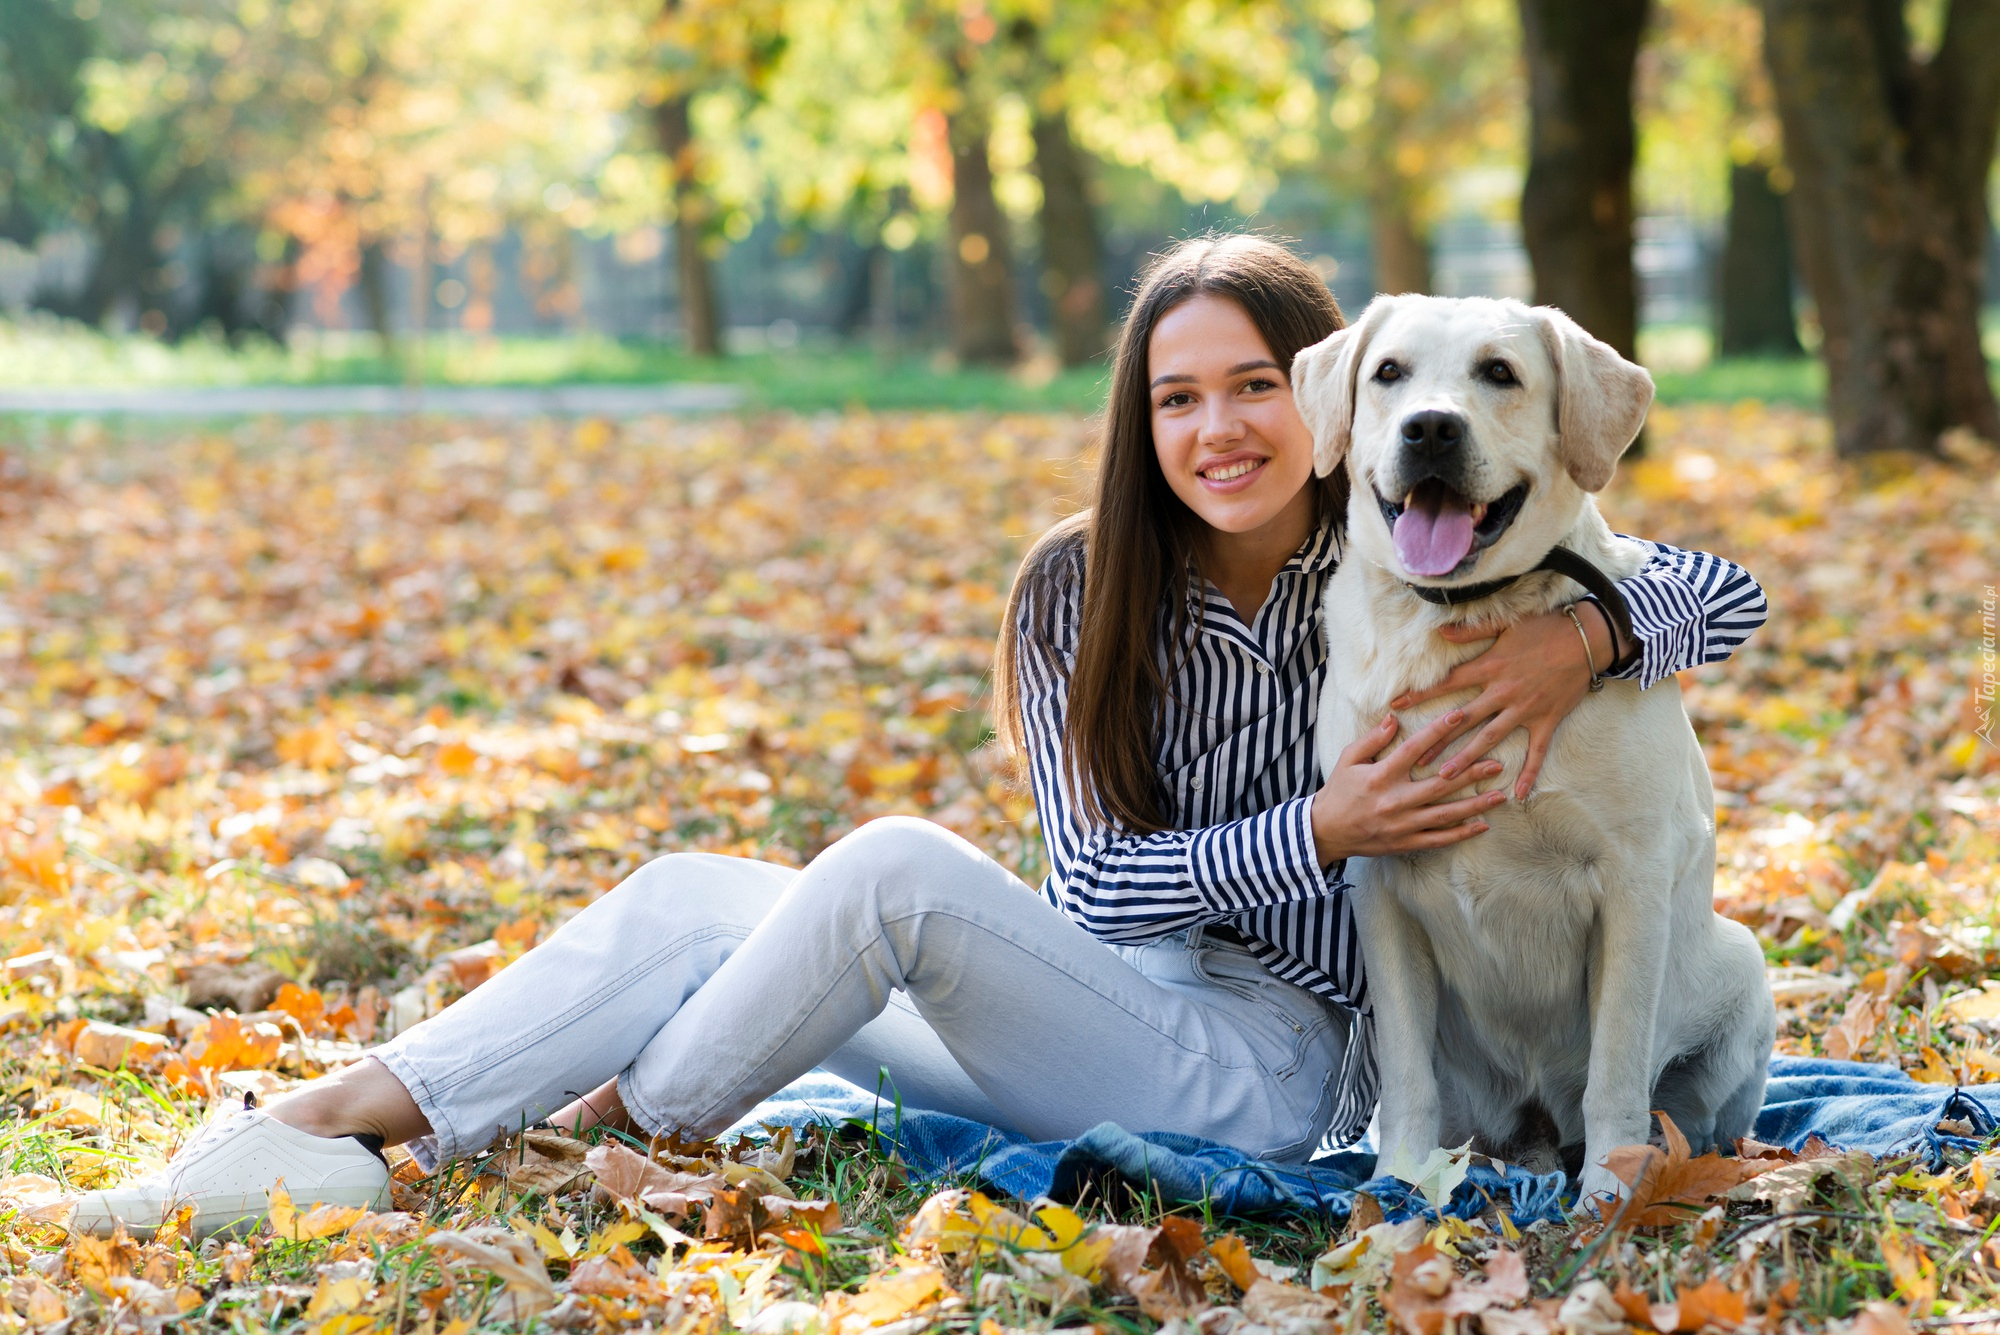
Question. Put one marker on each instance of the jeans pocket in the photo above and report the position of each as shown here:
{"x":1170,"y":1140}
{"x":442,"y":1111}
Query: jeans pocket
{"x":1240,"y":975}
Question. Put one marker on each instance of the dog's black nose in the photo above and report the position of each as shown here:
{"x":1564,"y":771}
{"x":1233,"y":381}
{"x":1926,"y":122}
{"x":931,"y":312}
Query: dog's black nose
{"x":1433,"y":431}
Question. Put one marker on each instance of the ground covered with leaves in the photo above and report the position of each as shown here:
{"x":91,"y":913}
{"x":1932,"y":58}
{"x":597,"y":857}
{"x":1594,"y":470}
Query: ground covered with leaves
{"x":308,"y":730}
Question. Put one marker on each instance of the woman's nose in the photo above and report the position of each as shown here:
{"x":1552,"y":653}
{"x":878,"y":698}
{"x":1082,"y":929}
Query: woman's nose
{"x":1220,"y":421}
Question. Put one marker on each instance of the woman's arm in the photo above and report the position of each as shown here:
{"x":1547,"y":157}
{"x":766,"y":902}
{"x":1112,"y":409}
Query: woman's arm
{"x":1132,"y":888}
{"x":1688,"y":608}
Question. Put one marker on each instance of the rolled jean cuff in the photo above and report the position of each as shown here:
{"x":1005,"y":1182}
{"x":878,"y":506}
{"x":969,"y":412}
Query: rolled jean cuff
{"x":443,"y":1144}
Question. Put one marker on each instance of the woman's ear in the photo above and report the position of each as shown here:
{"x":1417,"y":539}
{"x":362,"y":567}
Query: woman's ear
{"x":1323,"y":387}
{"x":1601,"y":399}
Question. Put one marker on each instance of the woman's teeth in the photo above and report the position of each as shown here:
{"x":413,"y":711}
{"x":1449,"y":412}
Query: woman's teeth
{"x":1229,"y":471}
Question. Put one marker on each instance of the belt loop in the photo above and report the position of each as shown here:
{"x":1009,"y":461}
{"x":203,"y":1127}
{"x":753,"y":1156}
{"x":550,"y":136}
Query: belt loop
{"x":1194,"y":941}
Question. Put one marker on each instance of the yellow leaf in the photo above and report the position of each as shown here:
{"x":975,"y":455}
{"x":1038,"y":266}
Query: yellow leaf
{"x":614,"y":1235}
{"x":1086,"y":1258}
{"x":1065,"y":1225}
{"x":1934,"y":1071}
{"x":546,"y":1241}
{"x":284,"y":1219}
{"x":336,"y":1295}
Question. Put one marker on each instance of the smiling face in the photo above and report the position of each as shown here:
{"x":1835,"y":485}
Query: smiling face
{"x":1472,"y":428}
{"x":1228,"y":435}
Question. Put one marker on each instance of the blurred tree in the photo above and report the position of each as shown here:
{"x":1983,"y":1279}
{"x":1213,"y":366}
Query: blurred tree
{"x":137,"y":173}
{"x":1576,"y":205}
{"x":43,"y":47}
{"x":980,"y":254}
{"x":1072,"y":246}
{"x":1709,"y":143}
{"x":1421,"y":92}
{"x":703,"y":47}
{"x":1890,"y":136}
{"x":1753,"y":280}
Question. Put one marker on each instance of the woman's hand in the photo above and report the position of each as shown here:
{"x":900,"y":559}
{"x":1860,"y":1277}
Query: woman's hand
{"x":1531,"y":677}
{"x":1370,"y":806}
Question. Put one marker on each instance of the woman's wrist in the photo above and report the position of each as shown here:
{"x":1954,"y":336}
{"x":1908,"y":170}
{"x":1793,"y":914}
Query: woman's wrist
{"x":1328,"y":847}
{"x":1603,"y":636}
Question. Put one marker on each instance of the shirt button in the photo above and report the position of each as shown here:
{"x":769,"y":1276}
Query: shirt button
{"x":1195,"y":783}
{"x":1263,"y":669}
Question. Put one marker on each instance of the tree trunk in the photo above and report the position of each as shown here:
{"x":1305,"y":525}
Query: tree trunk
{"x":374,"y":285}
{"x":981,"y":261}
{"x":701,"y":311}
{"x":1576,"y":205}
{"x":1400,"y":245}
{"x":1402,"y":255}
{"x":1072,"y":253}
{"x":1753,"y":281}
{"x":1889,"y":158}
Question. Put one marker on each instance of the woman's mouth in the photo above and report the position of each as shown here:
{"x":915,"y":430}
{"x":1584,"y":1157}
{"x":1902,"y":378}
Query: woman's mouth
{"x":1230,"y":470}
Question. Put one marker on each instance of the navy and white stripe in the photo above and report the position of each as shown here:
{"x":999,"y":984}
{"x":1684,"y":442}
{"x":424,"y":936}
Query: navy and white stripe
{"x":1238,"y":768}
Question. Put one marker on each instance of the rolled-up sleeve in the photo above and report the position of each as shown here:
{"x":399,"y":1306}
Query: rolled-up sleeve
{"x":1688,"y":608}
{"x":1126,"y":887}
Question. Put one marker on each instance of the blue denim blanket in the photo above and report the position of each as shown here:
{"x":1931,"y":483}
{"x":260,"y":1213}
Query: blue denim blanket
{"x":1846,"y":1104}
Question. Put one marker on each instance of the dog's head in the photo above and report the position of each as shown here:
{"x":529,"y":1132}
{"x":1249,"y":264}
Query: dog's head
{"x":1471,"y":427}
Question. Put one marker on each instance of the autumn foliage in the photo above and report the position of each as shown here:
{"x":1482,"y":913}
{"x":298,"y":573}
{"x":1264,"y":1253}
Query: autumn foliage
{"x":313,"y":729}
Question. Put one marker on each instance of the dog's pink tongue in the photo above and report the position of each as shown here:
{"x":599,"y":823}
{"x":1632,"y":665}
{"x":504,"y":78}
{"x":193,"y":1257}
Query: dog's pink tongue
{"x":1433,"y":541}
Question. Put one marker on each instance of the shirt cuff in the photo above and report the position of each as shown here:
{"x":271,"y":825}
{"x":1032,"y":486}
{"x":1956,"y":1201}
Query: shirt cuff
{"x":1266,"y":859}
{"x":1667,"y":620}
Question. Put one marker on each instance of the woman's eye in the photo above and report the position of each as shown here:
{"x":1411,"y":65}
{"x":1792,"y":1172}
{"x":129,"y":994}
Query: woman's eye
{"x":1500,"y":373}
{"x":1388,"y":373}
{"x":1178,"y":399}
{"x":1259,"y":385}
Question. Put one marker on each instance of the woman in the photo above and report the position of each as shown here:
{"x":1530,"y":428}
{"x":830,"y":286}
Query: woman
{"x":1190,"y":964}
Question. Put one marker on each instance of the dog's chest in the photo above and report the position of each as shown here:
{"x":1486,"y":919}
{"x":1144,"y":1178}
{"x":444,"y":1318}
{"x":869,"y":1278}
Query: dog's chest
{"x":1517,"y":896}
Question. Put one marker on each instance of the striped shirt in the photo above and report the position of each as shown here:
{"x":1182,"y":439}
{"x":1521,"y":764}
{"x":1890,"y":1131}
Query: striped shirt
{"x":1238,"y":768}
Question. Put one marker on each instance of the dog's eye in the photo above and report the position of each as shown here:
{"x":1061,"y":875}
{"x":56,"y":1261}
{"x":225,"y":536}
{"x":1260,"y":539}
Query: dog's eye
{"x":1500,"y":373}
{"x":1388,"y":373}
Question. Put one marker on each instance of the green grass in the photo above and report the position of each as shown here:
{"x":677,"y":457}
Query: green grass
{"x":1796,"y":381}
{"x":44,"y":352}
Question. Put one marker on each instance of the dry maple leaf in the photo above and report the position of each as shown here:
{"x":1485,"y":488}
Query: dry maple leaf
{"x":1791,"y":1186}
{"x":1150,"y":1265}
{"x":1668,"y":1186}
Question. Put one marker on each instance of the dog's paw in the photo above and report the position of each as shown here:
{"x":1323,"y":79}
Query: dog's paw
{"x":1599,"y":1191}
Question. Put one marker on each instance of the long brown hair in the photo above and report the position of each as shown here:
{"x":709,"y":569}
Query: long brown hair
{"x":1137,"y":540}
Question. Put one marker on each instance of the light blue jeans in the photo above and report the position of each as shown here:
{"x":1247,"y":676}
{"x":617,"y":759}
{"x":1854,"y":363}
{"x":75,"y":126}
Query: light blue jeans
{"x":706,"y":983}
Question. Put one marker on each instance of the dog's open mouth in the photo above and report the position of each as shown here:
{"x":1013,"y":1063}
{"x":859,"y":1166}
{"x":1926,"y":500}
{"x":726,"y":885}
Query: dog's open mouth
{"x":1436,"y":529}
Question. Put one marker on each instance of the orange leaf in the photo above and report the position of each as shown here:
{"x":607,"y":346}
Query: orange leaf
{"x":1234,"y":1258}
{"x":1669,"y":1187}
{"x":305,"y":1005}
{"x":1712,"y":1304}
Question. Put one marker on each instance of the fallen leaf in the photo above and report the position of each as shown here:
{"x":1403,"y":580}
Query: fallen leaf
{"x":1668,"y":1187}
{"x":1792,"y":1186}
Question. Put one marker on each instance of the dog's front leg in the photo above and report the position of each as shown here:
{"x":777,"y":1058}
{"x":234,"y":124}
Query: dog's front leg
{"x":1627,"y":970}
{"x":1402,"y":984}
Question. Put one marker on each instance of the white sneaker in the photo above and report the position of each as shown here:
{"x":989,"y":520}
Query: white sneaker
{"x":227,"y":1171}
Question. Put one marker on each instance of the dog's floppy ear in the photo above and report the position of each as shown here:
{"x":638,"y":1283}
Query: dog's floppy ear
{"x":1601,"y":399}
{"x":1323,"y":378}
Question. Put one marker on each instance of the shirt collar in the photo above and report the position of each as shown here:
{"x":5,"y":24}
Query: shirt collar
{"x":1318,"y":553}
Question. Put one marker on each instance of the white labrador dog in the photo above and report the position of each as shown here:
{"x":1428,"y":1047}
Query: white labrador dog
{"x":1540,"y":988}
